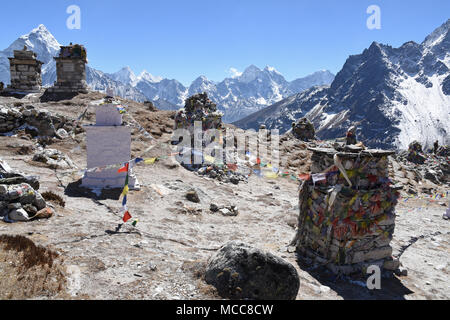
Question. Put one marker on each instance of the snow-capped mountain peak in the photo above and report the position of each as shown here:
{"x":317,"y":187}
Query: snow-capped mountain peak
{"x":271,"y":69}
{"x":438,"y":35}
{"x":124,"y":75}
{"x":39,"y":40}
{"x":249,"y":74}
{"x":145,"y":75}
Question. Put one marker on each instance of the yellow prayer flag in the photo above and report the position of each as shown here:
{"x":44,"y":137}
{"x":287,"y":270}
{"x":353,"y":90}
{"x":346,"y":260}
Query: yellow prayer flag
{"x":352,"y":201}
{"x":209,"y":158}
{"x":125,"y":190}
{"x":150,"y":161}
{"x":271,"y":175}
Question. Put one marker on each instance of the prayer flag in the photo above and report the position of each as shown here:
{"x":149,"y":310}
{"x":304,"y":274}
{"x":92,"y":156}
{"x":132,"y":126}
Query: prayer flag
{"x":150,"y":161}
{"x":123,"y":169}
{"x":271,"y":175}
{"x":125,"y":190}
{"x":304,"y":176}
{"x":126,"y":216}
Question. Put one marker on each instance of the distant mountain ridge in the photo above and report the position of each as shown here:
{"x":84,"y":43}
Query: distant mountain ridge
{"x":236,"y":97}
{"x":393,"y":95}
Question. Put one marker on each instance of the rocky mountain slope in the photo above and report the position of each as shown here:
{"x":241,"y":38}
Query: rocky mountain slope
{"x":394,"y":95}
{"x":237,"y":97}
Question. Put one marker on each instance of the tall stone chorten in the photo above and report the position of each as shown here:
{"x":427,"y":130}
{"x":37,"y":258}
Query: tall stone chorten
{"x":71,"y":70}
{"x":108,"y":143}
{"x":25,"y":71}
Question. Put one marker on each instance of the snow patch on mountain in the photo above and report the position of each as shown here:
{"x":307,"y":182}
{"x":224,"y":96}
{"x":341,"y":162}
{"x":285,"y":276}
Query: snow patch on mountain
{"x":425,"y":115}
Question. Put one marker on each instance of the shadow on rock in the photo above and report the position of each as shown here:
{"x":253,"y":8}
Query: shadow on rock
{"x":74,"y":189}
{"x":354,"y":287}
{"x":57,"y":96}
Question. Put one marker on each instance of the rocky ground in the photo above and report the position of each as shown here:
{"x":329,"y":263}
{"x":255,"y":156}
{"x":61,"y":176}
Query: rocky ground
{"x":164,"y":256}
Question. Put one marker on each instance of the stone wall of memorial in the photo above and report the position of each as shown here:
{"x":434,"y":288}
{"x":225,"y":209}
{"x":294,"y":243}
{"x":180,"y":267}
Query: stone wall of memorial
{"x":71,"y":70}
{"x":347,"y":211}
{"x":25,"y":72}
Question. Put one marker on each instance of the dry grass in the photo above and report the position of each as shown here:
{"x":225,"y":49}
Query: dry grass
{"x":53,"y":197}
{"x":197,"y":270}
{"x":29,"y":271}
{"x":32,"y":255}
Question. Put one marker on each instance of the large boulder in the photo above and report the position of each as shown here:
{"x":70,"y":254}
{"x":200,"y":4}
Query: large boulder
{"x":239,"y":271}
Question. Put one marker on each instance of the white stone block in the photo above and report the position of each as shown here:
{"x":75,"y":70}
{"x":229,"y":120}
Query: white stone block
{"x":107,"y":145}
{"x":108,"y":115}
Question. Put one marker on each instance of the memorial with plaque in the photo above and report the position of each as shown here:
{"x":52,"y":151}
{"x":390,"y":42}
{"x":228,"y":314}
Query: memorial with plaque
{"x":108,"y":143}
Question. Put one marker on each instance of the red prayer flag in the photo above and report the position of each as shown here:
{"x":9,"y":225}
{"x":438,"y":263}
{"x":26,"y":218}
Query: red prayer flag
{"x":123,"y":169}
{"x":304,"y":176}
{"x":126,"y":217}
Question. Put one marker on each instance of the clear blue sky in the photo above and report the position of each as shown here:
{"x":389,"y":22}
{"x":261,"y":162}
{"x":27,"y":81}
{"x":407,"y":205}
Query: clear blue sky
{"x":185,"y":39}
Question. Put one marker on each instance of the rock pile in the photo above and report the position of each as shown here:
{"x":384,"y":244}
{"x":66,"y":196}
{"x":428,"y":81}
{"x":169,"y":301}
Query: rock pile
{"x":347,"y":210}
{"x":443,"y":151}
{"x":239,"y":271}
{"x":222,"y":173}
{"x":19,"y":198}
{"x":53,"y":158}
{"x":198,"y":108}
{"x":415,"y":153}
{"x":230,"y":210}
{"x":433,"y":167}
{"x":303,"y":129}
{"x":25,"y":71}
{"x":35,"y":122}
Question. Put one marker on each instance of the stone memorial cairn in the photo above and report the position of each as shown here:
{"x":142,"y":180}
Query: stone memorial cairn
{"x":108,"y":143}
{"x":198,"y":108}
{"x":25,"y":72}
{"x":71,"y":70}
{"x":303,"y":129}
{"x":347,"y":216}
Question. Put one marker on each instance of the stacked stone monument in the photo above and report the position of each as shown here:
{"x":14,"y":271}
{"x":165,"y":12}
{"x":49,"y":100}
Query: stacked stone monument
{"x":303,"y":129}
{"x":201,"y":111}
{"x":108,"y":143}
{"x":198,"y":108}
{"x":347,"y":210}
{"x":71,"y":70}
{"x":25,"y":72}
